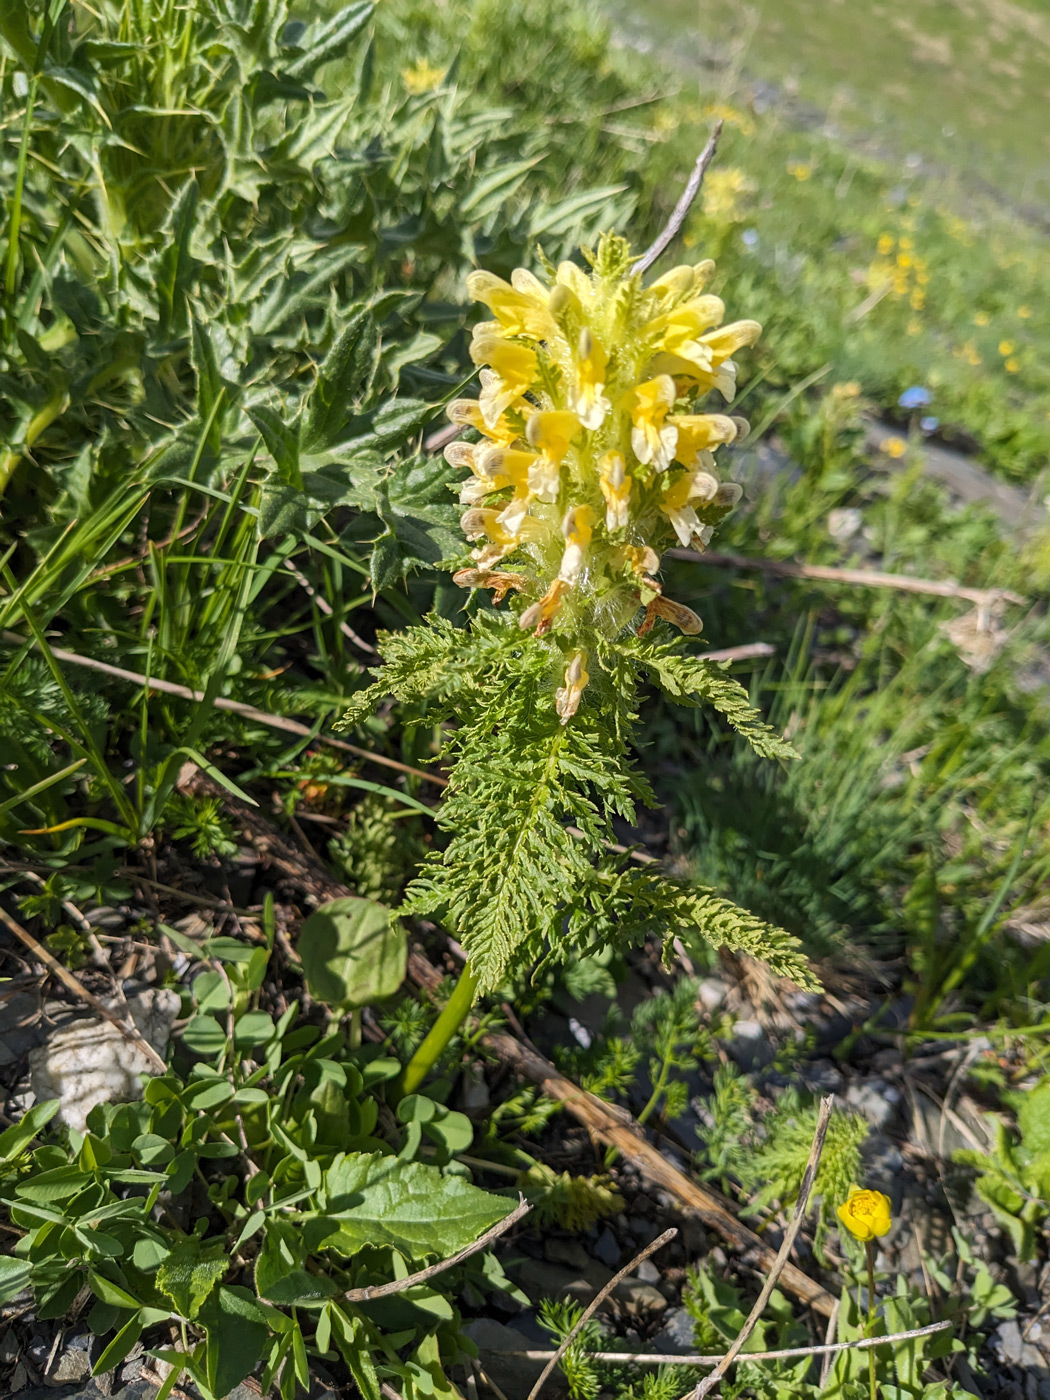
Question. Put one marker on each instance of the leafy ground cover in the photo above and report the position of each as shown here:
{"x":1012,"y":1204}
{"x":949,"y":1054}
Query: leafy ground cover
{"x":234,"y":256}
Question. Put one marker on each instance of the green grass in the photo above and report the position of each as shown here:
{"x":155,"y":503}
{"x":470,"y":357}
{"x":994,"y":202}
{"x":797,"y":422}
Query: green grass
{"x":953,"y":85}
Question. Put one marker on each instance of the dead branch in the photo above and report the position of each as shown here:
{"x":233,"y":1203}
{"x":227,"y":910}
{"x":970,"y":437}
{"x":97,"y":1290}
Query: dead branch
{"x":681,"y":209}
{"x":660,"y":1358}
{"x":790,"y":1235}
{"x":399,"y":1285}
{"x":288,"y":726}
{"x":595,"y":1304}
{"x":78,"y":989}
{"x":626,"y":1136}
{"x":864,"y":578}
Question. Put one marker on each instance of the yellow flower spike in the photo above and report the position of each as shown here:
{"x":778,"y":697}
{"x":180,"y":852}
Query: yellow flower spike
{"x":422,"y":77}
{"x":580,"y":379}
{"x":866,"y":1214}
{"x":513,"y":370}
{"x":616,"y":488}
{"x":588,"y":401}
{"x":567,"y":699}
{"x":520,"y":310}
{"x":550,"y":434}
{"x":652,"y":439}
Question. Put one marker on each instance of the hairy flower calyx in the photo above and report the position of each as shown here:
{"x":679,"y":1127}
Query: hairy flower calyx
{"x":592,"y":459}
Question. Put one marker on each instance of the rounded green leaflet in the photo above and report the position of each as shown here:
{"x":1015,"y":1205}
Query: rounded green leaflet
{"x":354,"y":953}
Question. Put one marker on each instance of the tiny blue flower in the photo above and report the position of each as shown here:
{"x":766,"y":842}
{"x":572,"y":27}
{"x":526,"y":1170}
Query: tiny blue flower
{"x":750,"y":237}
{"x":915,"y":397}
{"x":930,"y":424}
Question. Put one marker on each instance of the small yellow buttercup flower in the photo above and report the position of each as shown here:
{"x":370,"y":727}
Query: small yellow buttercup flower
{"x":593,"y":456}
{"x":893,"y":446}
{"x":422,"y":77}
{"x":866,"y":1214}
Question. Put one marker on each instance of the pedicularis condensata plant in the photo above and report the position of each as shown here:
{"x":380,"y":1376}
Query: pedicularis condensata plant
{"x":589,"y":459}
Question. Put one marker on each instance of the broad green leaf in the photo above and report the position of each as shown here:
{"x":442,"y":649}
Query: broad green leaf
{"x":14,"y":1277}
{"x":375,"y":1200}
{"x":237,"y":1334}
{"x":190,"y":1273}
{"x":15,"y":1139}
{"x":54,"y":1185}
{"x":354,"y":953}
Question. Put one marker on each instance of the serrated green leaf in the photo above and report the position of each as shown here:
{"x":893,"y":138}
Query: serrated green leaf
{"x":190,"y":1273}
{"x":414,"y":1208}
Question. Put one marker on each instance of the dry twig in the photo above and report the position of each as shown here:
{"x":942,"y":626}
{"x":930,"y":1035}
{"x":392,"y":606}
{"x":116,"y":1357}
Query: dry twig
{"x":399,"y":1285}
{"x":595,"y":1303}
{"x":289,"y":726}
{"x":78,"y":989}
{"x":660,"y":1358}
{"x":864,"y":578}
{"x":624,"y":1134}
{"x":790,"y":1235}
{"x":681,"y":209}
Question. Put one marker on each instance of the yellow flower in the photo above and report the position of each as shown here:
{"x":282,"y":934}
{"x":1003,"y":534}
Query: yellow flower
{"x":866,"y":1214}
{"x":893,"y":446}
{"x":567,"y":699}
{"x":588,"y":388}
{"x":422,"y":77}
{"x":652,"y":439}
{"x":723,"y":194}
{"x":914,"y":326}
{"x":588,"y":400}
{"x":1024,"y":312}
{"x":799,"y":169}
{"x":1011,"y":365}
{"x":513,"y":370}
{"x":550,"y":434}
{"x":731,"y":116}
{"x":1006,"y":347}
{"x":982,"y":318}
{"x":616,"y":488}
{"x":886,"y":244}
{"x":521,"y":308}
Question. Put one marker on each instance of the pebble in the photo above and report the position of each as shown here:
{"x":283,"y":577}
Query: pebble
{"x":750,"y":1046}
{"x":1014,"y":1350}
{"x":607,"y":1249}
{"x":712,"y":992}
{"x":876,"y":1101}
{"x":499,"y":1346}
{"x":676,"y":1335}
{"x":647,"y":1272}
{"x":638,"y":1297}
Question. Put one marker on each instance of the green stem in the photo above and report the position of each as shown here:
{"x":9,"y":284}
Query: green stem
{"x":658,"y":1088}
{"x":441,"y":1032}
{"x":869,"y":1250}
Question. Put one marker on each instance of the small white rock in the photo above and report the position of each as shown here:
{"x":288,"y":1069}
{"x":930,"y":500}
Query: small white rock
{"x":89,"y":1062}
